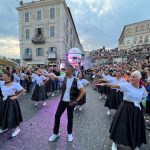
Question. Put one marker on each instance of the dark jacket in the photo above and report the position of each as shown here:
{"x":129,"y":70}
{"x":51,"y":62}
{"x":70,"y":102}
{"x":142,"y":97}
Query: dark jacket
{"x":74,"y":92}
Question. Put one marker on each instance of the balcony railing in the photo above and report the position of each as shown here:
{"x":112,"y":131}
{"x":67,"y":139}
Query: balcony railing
{"x":51,"y":55}
{"x":27,"y":57}
{"x":38,"y":39}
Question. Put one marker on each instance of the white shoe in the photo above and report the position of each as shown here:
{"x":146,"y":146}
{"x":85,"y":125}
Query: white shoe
{"x":108,"y":112}
{"x":114,"y":146}
{"x":15,"y":133}
{"x":136,"y":148}
{"x":53,"y":94}
{"x":75,"y":108}
{"x":80,"y":108}
{"x":53,"y":137}
{"x":37,"y":103}
{"x":70,"y":138}
{"x":1,"y":131}
{"x":44,"y":103}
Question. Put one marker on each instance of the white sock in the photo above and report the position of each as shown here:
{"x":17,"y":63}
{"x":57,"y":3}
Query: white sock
{"x":136,"y":148}
{"x":114,"y":146}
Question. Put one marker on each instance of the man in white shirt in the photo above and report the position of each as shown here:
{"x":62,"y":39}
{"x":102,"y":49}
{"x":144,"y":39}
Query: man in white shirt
{"x":70,"y":97}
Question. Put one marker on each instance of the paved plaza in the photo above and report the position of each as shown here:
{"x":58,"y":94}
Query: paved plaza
{"x":91,"y":127}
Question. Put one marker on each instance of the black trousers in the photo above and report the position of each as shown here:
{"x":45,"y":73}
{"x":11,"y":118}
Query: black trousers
{"x":61,"y":108}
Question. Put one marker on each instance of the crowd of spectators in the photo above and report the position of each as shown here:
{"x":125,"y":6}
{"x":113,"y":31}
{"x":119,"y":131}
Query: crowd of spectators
{"x":110,"y":53}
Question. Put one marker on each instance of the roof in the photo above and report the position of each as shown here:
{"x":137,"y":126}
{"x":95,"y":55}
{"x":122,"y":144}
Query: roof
{"x":137,"y":22}
{"x":7,"y":61}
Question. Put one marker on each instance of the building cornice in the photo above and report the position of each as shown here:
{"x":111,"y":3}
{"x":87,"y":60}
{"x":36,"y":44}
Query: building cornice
{"x":38,"y":4}
{"x":141,"y":22}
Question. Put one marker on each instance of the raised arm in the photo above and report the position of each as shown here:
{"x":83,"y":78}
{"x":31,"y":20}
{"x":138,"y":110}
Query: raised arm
{"x":116,"y":86}
{"x":51,"y":76}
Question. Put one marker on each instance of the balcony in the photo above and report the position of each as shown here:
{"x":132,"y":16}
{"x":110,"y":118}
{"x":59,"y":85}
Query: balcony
{"x":51,"y":55}
{"x":27,"y":57}
{"x":38,"y":39}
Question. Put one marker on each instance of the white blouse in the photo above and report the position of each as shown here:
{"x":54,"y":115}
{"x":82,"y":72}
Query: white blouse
{"x":84,"y":82}
{"x":133,"y":94}
{"x":40,"y":79}
{"x":10,"y":90}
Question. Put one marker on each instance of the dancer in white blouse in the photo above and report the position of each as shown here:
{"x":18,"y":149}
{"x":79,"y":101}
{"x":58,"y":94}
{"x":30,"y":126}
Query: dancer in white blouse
{"x":39,"y":93}
{"x":128,"y":126}
{"x":10,"y":113}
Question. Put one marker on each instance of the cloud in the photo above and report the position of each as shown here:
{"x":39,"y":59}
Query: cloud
{"x":9,"y":47}
{"x":98,"y":22}
{"x":99,"y":7}
{"x":106,"y":8}
{"x":9,"y":19}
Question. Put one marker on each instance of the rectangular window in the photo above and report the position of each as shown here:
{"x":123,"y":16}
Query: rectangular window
{"x":28,"y":52}
{"x":128,"y":41}
{"x":52,"y":50}
{"x":27,"y":34}
{"x":39,"y":32}
{"x":26,"y":16}
{"x":141,"y":40}
{"x":135,"y":40}
{"x":39,"y":52}
{"x":52,"y":13}
{"x":146,"y":40}
{"x":39,"y":15}
{"x":52,"y":31}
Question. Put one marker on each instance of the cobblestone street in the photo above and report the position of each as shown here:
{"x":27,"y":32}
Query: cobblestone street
{"x":91,"y":126}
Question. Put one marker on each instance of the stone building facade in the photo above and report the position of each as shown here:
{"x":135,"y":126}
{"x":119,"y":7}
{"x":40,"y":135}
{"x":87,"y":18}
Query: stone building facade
{"x":135,"y":35}
{"x":46,"y":32}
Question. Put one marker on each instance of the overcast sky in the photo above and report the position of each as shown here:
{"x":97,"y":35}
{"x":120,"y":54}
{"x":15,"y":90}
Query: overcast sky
{"x":98,"y":22}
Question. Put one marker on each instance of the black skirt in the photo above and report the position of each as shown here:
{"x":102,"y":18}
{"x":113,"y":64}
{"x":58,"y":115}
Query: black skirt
{"x":128,"y":126}
{"x":103,"y":89}
{"x":39,"y":93}
{"x":114,"y":98}
{"x":10,"y":114}
{"x":49,"y":86}
{"x":82,"y":101}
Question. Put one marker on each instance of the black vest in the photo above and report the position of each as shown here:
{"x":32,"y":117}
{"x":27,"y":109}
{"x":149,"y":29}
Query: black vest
{"x":74,"y":92}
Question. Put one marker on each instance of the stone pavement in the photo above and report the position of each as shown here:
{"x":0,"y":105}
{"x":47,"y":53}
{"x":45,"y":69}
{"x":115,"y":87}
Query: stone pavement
{"x":91,"y":127}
